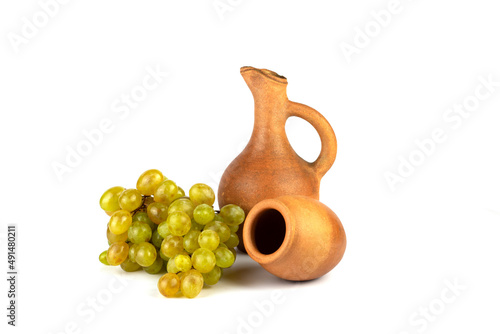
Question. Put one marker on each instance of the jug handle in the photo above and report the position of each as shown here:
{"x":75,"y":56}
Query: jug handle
{"x":328,"y":152}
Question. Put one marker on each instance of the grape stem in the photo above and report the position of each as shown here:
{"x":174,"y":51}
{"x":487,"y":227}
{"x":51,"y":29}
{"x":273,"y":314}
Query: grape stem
{"x":141,"y":207}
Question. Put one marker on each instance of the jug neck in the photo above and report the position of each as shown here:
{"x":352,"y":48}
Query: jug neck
{"x":269,"y":92}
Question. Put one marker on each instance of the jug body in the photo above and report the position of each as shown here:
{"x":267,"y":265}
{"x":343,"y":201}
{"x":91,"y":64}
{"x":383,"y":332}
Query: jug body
{"x":268,"y":167}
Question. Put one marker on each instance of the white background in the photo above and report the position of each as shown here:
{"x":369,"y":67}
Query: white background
{"x":440,"y":225}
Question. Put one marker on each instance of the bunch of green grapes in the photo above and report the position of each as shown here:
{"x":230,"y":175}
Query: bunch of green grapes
{"x":157,"y":228}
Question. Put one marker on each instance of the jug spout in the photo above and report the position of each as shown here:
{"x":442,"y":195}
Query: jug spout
{"x":264,"y":83}
{"x":269,"y":93}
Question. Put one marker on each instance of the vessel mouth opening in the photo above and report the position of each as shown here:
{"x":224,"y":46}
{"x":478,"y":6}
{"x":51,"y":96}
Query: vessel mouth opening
{"x":269,"y":232}
{"x":267,"y":73}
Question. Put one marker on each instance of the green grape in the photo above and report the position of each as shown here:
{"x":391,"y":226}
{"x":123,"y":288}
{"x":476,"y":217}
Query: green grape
{"x":119,"y":222}
{"x":117,"y":253}
{"x":103,"y":258}
{"x":143,"y":217}
{"x":139,"y":232}
{"x":163,"y":229}
{"x":201,"y":194}
{"x":172,"y":245}
{"x":195,"y":226}
{"x":145,"y":254}
{"x":156,"y":267}
{"x":130,"y":200}
{"x":203,"y":260}
{"x":232,"y":214}
{"x":182,"y":262}
{"x":223,"y":245}
{"x":166,"y":192}
{"x":234,"y":252}
{"x":182,"y":205}
{"x":203,"y":214}
{"x":181,"y":275}
{"x":221,"y":228}
{"x":233,"y":241}
{"x":208,"y":239}
{"x":132,"y":252}
{"x":191,"y":241}
{"x":165,"y":258}
{"x":149,"y":181}
{"x":156,"y":239}
{"x":218,"y":218}
{"x":233,"y":228}
{"x":180,"y":193}
{"x":109,"y":200}
{"x":178,"y":223}
{"x":224,"y":258}
{"x":213,"y":276}
{"x":171,"y":267}
{"x":130,"y":266}
{"x":169,"y":284}
{"x":157,"y":212}
{"x":191,"y":283}
{"x":112,"y":238}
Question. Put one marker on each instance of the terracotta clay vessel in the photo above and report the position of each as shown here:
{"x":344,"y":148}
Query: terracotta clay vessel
{"x":294,"y":237}
{"x":268,"y":167}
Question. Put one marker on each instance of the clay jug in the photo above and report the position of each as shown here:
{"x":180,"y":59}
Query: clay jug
{"x":268,"y":167}
{"x":294,"y":237}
